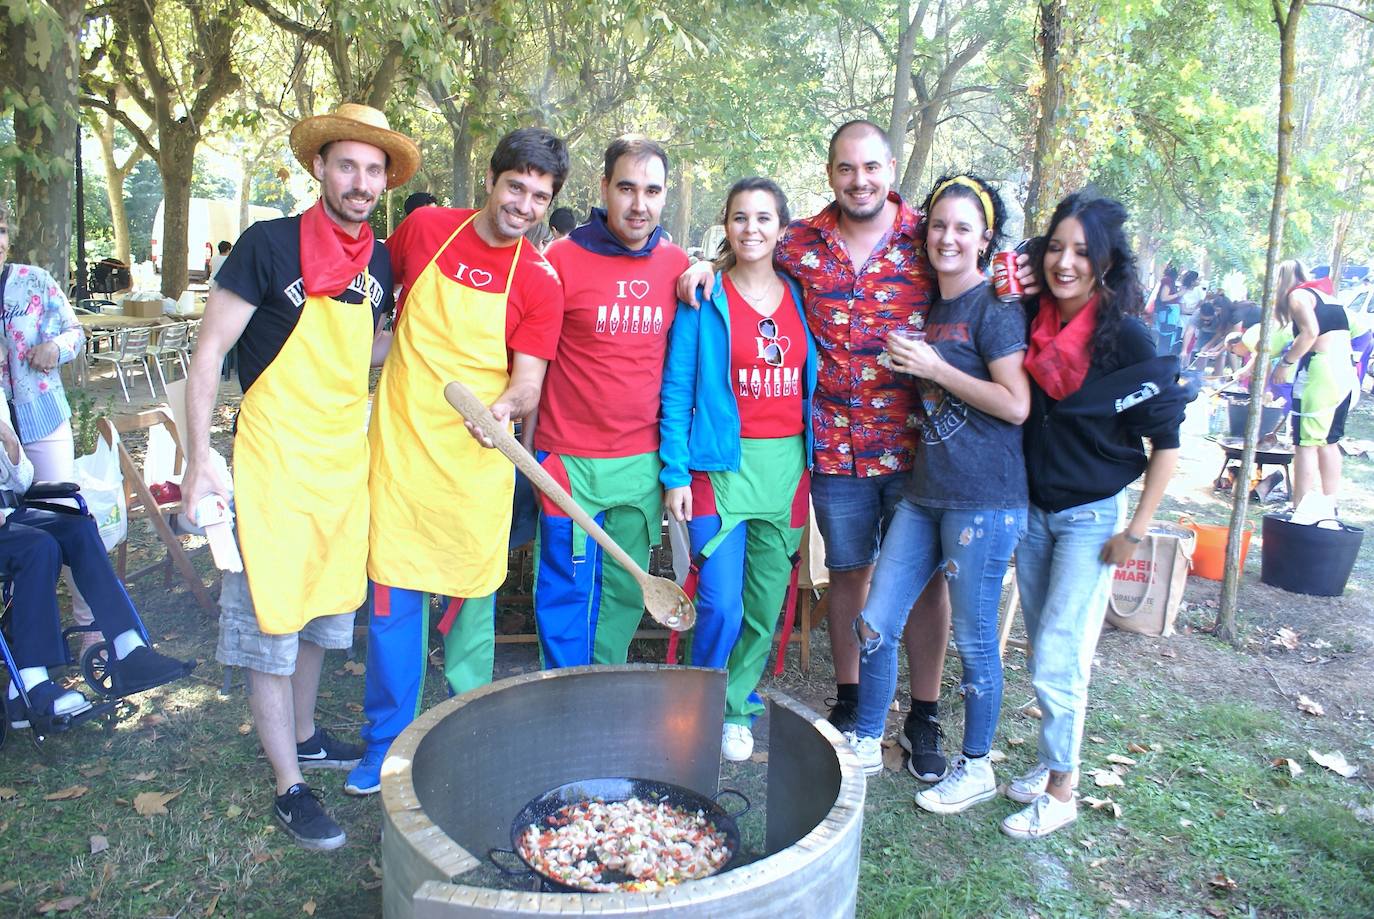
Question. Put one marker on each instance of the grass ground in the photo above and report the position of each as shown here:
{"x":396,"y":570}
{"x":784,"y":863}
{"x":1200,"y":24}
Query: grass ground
{"x":1208,"y":825}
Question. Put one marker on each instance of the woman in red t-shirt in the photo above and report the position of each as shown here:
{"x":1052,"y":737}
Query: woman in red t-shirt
{"x":736,"y":446}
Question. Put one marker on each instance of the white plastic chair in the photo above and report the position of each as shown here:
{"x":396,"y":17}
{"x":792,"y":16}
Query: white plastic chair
{"x":171,"y":343}
{"x":131,"y":348}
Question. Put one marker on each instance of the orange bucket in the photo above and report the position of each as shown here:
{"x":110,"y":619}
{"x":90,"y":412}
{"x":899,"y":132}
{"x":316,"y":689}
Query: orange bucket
{"x":1209,"y":555}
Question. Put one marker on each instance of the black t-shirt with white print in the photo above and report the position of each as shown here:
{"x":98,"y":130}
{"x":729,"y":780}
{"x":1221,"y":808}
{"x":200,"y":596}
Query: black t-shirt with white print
{"x":969,"y":459}
{"x":264,"y":268}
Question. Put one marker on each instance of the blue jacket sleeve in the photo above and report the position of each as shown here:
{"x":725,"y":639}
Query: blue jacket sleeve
{"x":678,"y":397}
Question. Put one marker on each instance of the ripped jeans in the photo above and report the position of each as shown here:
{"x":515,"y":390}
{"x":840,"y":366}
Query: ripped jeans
{"x":972,"y":549}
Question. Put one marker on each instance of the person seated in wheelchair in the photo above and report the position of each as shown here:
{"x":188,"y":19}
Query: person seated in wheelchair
{"x":34,"y":545}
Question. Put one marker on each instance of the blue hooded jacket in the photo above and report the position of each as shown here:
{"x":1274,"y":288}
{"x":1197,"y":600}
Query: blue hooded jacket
{"x":700,"y":426}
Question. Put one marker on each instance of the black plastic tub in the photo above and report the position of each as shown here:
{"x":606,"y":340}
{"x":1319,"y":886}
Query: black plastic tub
{"x":1308,"y":559}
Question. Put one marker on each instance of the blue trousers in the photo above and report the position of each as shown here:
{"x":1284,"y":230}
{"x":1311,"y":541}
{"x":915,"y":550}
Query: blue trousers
{"x":34,"y":545}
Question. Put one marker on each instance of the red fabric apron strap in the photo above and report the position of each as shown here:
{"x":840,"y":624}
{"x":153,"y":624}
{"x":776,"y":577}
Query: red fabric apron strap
{"x":451,"y":613}
{"x":689,"y":587}
{"x":381,"y":600}
{"x":789,"y":614}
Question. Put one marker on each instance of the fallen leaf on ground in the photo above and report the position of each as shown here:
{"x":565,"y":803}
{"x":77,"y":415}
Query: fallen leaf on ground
{"x":1335,"y":761}
{"x":374,"y":868}
{"x":1184,"y":822}
{"x":1096,"y":739}
{"x":1216,"y":912}
{"x":759,"y":757}
{"x":144,"y":776}
{"x":892,"y":758}
{"x":1168,"y":652}
{"x":1119,"y":769}
{"x":67,"y":794}
{"x":357,"y":668}
{"x":1283,"y":762}
{"x":7,"y":793}
{"x":325,"y":694}
{"x":93,"y":772}
{"x":147,"y":887}
{"x":1118,"y":758}
{"x":1032,"y":711}
{"x":1015,"y":741}
{"x":1087,"y":842}
{"x":1319,"y":644}
{"x":64,"y":905}
{"x":151,"y":720}
{"x":1311,"y":706}
{"x":245,"y":728}
{"x":8,"y":886}
{"x":260,"y":857}
{"x":1134,"y":747}
{"x":1098,"y":804}
{"x":1222,"y":881}
{"x":308,"y":907}
{"x":210,"y":907}
{"x":354,"y":707}
{"x":232,"y":811}
{"x":153,"y":803}
{"x":1097,"y":862}
{"x":99,"y":844}
{"x":1285,"y":638}
{"x":1105,"y":778}
{"x":997,"y":756}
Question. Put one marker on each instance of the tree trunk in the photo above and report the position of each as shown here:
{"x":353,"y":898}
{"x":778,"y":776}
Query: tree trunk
{"x":1051,"y":93}
{"x":177,"y":162}
{"x":49,"y":60}
{"x":1225,"y":627}
{"x":926,"y":122}
{"x":680,"y":226}
{"x":115,"y":176}
{"x":901,"y":85}
{"x":462,"y":164}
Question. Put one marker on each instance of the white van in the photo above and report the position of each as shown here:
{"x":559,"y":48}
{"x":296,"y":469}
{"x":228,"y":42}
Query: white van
{"x":210,"y":221}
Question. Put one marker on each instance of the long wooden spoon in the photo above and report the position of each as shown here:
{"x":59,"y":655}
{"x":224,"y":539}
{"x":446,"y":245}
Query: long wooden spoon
{"x":664,"y":600}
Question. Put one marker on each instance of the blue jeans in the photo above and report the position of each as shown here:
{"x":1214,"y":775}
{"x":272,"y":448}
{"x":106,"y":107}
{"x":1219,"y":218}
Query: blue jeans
{"x":853,"y":513}
{"x":972,"y":549}
{"x":1064,"y":588}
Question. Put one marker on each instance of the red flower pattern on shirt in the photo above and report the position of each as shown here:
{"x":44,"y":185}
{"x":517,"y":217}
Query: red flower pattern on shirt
{"x":864,"y":415}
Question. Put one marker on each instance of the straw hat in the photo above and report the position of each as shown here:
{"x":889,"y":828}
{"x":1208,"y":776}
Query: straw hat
{"x":351,"y":121}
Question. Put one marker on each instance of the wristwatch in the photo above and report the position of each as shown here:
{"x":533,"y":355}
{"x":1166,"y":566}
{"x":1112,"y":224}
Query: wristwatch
{"x":1133,"y":540}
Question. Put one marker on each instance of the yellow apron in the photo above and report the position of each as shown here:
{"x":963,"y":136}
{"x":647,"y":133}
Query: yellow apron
{"x":300,"y":469}
{"x":441,"y":502}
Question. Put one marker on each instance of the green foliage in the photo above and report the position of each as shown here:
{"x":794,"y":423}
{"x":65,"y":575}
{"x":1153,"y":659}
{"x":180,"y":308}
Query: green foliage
{"x":86,"y":411}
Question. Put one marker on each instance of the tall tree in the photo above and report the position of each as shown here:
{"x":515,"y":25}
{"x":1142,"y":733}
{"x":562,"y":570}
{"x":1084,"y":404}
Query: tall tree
{"x":175,"y":60}
{"x":116,"y":174}
{"x":1050,"y":31}
{"x":1287,"y":18}
{"x":40,"y":68}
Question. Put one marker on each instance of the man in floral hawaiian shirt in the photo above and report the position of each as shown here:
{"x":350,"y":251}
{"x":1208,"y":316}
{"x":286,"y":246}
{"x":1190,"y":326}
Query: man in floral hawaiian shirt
{"x":862,"y":267}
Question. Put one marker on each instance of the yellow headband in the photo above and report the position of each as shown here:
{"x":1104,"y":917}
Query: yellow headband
{"x":967,"y":183}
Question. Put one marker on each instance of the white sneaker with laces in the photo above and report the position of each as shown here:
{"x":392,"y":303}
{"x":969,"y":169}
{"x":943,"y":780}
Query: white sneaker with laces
{"x":736,"y":742}
{"x":969,"y":782}
{"x":1042,"y":817}
{"x":1033,"y":784}
{"x":869,"y":751}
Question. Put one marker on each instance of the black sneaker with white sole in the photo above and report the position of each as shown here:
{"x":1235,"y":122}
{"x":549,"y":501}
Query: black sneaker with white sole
{"x":844,"y":714}
{"x":921,"y":736}
{"x":325,"y":751}
{"x":301,"y":812}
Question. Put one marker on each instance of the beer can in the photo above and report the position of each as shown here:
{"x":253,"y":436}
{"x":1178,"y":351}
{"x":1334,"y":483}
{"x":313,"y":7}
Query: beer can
{"x":1004,"y":277}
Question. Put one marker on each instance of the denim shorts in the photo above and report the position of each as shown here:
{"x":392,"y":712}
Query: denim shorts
{"x":852,"y":513}
{"x":243,"y":644}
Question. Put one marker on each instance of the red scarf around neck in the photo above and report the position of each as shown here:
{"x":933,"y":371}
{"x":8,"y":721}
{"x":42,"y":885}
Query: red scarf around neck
{"x":1060,"y":353}
{"x":330,"y":258}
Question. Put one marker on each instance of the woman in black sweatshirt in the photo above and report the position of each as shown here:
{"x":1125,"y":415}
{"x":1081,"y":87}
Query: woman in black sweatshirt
{"x":1097,"y":390}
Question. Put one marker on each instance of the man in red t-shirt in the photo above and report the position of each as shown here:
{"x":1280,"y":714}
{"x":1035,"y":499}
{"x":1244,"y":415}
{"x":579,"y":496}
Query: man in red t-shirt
{"x":483,"y":307}
{"x":597,"y":431}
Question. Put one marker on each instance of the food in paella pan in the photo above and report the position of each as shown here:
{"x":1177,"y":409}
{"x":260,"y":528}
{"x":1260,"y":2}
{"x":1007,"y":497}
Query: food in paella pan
{"x":643,"y":845}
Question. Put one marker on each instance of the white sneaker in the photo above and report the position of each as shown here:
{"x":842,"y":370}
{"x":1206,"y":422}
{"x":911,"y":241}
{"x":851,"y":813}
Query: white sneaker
{"x":969,"y":782}
{"x":1033,"y":784}
{"x":736,"y":742}
{"x":869,"y":751}
{"x":1042,"y":817}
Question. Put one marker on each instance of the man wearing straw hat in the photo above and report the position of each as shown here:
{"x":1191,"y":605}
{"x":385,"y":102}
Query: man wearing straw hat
{"x":302,"y":299}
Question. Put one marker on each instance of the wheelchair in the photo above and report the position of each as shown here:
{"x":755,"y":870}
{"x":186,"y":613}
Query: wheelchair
{"x":93,"y":663}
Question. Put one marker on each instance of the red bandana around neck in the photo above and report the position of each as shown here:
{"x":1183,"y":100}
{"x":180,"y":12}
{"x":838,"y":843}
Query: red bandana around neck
{"x":1059,"y":353}
{"x":330,"y":258}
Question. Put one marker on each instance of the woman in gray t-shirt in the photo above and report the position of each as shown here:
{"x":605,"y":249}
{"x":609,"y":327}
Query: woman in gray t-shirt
{"x":965,"y":507}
